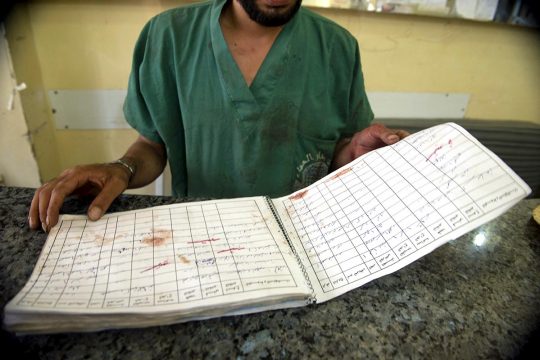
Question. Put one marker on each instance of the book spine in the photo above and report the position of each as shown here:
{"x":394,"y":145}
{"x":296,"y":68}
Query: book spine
{"x":312,"y":299}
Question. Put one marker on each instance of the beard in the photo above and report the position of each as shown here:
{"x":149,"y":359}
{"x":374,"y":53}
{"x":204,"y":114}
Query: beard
{"x":272,"y":17}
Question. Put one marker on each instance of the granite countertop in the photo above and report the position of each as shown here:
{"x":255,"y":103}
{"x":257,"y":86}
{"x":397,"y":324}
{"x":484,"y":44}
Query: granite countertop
{"x":460,"y":301}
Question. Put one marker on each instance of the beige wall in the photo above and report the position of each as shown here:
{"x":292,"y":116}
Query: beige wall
{"x":88,"y":45}
{"x":498,"y":65}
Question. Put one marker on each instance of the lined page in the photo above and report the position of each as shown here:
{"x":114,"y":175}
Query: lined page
{"x":394,"y":205}
{"x":183,"y":256}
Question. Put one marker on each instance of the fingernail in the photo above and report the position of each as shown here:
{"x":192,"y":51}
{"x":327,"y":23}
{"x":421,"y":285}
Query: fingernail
{"x":393,"y":138}
{"x":31,"y":222}
{"x":47,"y":221}
{"x":94,"y":213}
{"x":44,"y":227}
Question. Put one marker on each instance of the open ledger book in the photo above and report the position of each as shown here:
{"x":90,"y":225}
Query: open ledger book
{"x":188,"y":261}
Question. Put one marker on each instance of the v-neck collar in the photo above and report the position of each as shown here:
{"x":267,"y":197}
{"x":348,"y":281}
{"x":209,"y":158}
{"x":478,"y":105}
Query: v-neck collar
{"x":246,"y":98}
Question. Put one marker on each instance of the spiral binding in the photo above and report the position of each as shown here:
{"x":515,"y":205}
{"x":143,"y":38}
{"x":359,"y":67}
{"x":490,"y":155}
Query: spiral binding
{"x":311,"y":299}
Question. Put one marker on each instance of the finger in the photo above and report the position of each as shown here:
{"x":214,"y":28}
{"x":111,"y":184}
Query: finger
{"x":389,"y":136}
{"x":88,"y":190}
{"x":70,"y":180}
{"x":61,"y":190}
{"x":379,"y":132}
{"x":44,"y":198}
{"x":33,"y":214}
{"x":402,"y":134}
{"x":113,"y":187}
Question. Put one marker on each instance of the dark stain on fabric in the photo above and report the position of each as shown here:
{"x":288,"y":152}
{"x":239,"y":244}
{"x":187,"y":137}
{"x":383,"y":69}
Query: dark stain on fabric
{"x":278,"y":127}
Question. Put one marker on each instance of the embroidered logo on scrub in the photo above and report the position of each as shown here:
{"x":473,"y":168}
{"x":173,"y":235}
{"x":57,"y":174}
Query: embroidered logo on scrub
{"x":311,"y":169}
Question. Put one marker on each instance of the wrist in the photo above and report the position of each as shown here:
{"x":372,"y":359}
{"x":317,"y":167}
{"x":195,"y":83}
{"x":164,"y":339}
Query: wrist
{"x":130,"y":167}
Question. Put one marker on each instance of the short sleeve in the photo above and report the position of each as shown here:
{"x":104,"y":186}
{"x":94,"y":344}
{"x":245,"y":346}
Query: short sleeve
{"x":360,"y":113}
{"x":136,"y":107}
{"x":152,"y":104}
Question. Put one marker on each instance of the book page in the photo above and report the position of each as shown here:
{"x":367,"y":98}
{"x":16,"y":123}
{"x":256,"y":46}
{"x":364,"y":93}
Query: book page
{"x":394,"y":205}
{"x":182,"y":257}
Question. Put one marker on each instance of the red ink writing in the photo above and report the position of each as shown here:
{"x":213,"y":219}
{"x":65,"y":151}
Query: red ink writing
{"x":163,"y":263}
{"x":230,"y":250}
{"x":437,"y":149}
{"x":205,"y":241}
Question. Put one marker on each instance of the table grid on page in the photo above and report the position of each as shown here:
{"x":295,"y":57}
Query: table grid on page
{"x":163,"y":256}
{"x":394,"y":201}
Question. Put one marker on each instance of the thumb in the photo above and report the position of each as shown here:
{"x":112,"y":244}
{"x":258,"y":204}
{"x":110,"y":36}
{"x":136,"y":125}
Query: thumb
{"x":391,"y":138}
{"x":104,"y":199}
{"x":388,"y":136}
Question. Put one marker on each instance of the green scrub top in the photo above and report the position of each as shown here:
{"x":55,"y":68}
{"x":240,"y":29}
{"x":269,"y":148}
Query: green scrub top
{"x":225,"y":139}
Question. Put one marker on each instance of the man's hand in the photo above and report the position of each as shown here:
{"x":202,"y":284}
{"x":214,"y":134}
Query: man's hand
{"x":105,"y":181}
{"x":362,"y":142}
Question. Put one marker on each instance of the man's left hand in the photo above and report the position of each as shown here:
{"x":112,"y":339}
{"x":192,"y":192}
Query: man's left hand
{"x":371,"y":138}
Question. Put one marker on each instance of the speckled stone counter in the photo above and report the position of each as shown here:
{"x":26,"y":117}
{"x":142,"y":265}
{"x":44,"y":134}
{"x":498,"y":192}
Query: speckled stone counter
{"x":461,"y":301}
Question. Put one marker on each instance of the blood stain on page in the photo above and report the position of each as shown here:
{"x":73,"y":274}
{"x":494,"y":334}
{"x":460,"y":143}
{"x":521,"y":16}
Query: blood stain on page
{"x":341,"y":173}
{"x":298,"y":195}
{"x":158,"y":237}
{"x":183,"y":259}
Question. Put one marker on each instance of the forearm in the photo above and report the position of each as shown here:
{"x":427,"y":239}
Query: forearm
{"x":148,"y":160}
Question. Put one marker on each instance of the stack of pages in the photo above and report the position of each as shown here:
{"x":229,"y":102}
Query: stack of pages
{"x":192,"y":261}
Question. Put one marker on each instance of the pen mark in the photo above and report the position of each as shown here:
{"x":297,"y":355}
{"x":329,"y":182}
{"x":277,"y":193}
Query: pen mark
{"x":230,"y":250}
{"x":205,"y":241}
{"x":163,"y":263}
{"x":434,"y":152}
{"x":437,"y":149}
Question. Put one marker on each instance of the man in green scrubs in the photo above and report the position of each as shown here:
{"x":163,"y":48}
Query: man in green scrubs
{"x":242,"y":97}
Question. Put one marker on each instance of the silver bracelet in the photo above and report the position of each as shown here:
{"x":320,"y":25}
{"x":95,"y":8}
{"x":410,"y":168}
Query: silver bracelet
{"x":130,"y":168}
